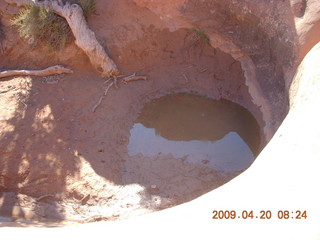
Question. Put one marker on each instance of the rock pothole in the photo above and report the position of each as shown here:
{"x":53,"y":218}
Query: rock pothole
{"x":61,"y":162}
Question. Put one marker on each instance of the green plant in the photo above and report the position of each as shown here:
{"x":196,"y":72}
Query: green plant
{"x":88,"y":6}
{"x":198,"y":35}
{"x":40,"y":24}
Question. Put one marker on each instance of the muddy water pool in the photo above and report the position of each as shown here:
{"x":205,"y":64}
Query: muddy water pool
{"x":217,"y":134}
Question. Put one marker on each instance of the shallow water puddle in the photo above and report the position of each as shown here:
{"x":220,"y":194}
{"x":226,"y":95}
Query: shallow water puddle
{"x":217,"y":134}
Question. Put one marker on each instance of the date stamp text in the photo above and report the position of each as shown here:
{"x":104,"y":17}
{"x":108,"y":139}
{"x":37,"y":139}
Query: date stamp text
{"x":263,"y":214}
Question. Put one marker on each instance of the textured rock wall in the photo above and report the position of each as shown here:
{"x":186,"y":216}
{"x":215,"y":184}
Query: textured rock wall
{"x":267,"y":38}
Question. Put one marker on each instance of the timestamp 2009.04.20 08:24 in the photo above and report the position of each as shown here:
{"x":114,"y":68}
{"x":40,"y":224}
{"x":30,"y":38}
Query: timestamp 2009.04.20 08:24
{"x":263,"y":214}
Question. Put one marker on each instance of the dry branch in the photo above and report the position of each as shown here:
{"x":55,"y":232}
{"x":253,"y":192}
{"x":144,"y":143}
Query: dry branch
{"x":85,"y":38}
{"x":133,"y":77}
{"x":41,"y":73}
{"x":101,"y":98}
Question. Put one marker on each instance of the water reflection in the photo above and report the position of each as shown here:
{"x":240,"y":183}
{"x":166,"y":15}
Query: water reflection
{"x":218,"y":134}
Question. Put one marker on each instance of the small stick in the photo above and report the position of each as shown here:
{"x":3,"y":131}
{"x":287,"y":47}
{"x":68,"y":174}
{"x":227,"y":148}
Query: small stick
{"x":107,"y":89}
{"x":185,"y":77}
{"x":98,"y":103}
{"x":137,"y":78}
{"x":101,"y":98}
{"x":115,"y":80}
{"x":107,"y":81}
{"x":203,"y":70}
{"x":133,"y":77}
{"x":120,"y":76}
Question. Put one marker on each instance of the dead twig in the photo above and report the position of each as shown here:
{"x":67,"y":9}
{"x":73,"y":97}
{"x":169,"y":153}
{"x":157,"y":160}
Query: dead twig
{"x":133,"y":77}
{"x":115,"y":81}
{"x":40,"y":73}
{"x":107,"y":89}
{"x":130,"y":76}
{"x":107,"y":81}
{"x":185,"y":77}
{"x":112,"y":78}
{"x":97,"y":104}
{"x":101,"y":98}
